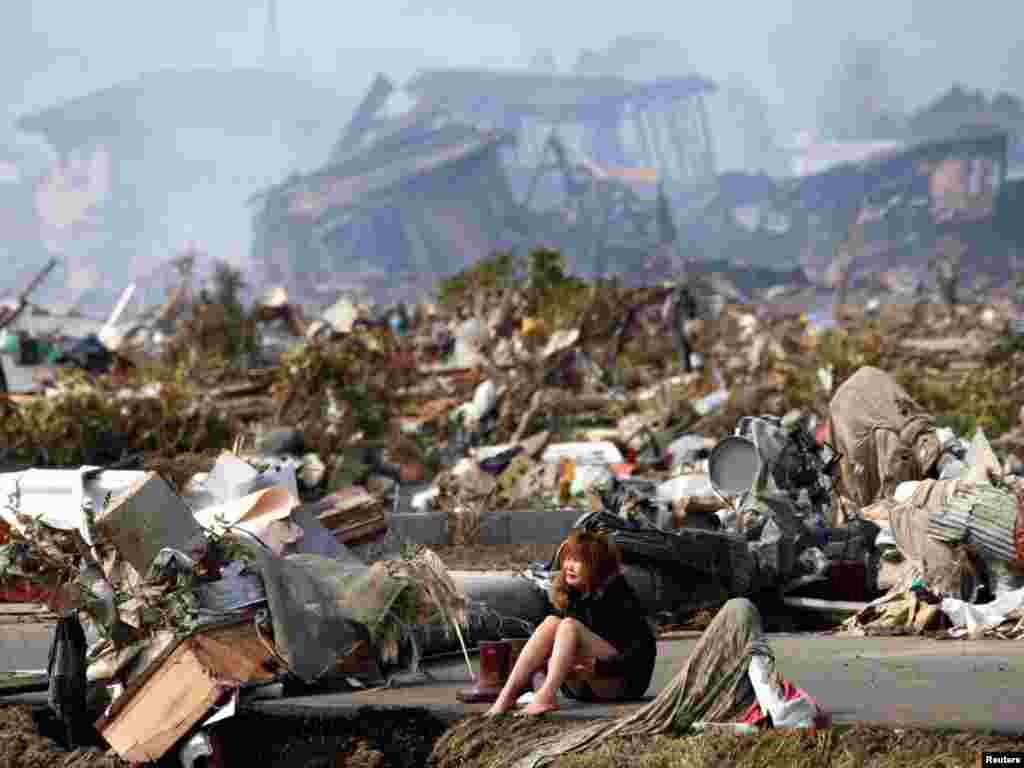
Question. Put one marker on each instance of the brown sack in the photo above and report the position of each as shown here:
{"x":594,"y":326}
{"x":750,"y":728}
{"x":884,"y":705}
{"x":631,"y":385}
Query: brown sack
{"x":884,"y":436}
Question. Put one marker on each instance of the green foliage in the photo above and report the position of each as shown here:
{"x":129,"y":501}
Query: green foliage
{"x":547,"y":269}
{"x":1007,"y":346}
{"x":239,"y":338}
{"x":370,"y":415}
{"x":87,"y":424}
{"x":501,"y":271}
{"x":542,"y":276}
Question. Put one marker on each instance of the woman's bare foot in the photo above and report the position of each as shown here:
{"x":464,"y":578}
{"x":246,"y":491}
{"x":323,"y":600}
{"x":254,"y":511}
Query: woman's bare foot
{"x":500,"y":707}
{"x":541,"y":705}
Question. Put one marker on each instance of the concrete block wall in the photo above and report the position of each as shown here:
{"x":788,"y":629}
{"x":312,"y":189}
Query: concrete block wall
{"x":505,"y":527}
{"x":25,"y":646}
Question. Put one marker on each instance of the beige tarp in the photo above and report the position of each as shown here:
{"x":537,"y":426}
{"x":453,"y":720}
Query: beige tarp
{"x":884,"y":436}
{"x":940,"y":565}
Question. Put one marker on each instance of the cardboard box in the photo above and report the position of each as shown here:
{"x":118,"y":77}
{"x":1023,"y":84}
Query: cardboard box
{"x":178,"y":690}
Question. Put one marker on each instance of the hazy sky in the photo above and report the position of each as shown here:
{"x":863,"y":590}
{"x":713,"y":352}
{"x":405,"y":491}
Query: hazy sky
{"x":786,"y":48}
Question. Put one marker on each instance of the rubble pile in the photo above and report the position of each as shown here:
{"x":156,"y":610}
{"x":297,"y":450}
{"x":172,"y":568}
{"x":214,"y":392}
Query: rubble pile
{"x":181,"y":609}
{"x":231,"y":519}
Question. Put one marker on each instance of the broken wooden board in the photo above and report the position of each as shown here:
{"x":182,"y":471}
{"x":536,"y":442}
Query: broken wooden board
{"x":353,"y":533}
{"x":346,"y":506}
{"x":177,"y":690}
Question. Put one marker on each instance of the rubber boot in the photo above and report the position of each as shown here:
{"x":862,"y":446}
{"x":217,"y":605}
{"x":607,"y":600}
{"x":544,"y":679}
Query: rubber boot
{"x":494,"y":669}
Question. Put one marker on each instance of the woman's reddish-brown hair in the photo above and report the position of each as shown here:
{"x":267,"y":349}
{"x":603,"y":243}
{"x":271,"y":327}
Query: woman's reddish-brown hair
{"x":600,"y":557}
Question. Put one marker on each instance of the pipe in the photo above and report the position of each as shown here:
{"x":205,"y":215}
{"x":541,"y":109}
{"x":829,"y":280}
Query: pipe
{"x":848,"y":607}
{"x":500,"y":604}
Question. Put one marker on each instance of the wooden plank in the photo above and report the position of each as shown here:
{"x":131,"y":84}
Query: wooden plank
{"x":340,"y":518}
{"x":172,"y":701}
{"x":363,"y":530}
{"x":162,"y":706}
{"x":26,"y":609}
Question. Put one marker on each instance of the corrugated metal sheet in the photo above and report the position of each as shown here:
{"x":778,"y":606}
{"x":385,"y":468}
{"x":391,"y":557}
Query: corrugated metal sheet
{"x":983,"y":517}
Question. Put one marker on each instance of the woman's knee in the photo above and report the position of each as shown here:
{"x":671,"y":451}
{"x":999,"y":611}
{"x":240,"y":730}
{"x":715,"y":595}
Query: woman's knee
{"x":549,"y":626}
{"x":569,"y":626}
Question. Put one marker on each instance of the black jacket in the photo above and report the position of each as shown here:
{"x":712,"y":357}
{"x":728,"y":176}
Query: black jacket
{"x":617,"y":615}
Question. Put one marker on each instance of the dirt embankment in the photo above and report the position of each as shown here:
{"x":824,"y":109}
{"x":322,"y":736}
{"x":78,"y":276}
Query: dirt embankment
{"x":24,"y":745}
{"x":482,"y":743}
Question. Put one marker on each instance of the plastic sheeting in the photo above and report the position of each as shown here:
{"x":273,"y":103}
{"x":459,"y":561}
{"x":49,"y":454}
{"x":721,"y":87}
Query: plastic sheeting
{"x":312,"y":629}
{"x":973,"y":619}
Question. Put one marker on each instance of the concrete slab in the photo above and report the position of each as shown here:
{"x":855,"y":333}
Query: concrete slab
{"x":24,"y":644}
{"x":497,"y":527}
{"x":427,"y":528}
{"x":527,"y":526}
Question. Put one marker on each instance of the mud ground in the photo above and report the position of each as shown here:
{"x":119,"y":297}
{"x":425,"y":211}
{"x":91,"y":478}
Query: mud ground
{"x":479,"y":743}
{"x":27,"y":740}
{"x":416,"y":739}
{"x":369,"y":739}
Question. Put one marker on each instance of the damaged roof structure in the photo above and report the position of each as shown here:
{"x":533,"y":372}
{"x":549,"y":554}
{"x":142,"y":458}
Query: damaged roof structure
{"x":486,"y":161}
{"x":897,"y":203}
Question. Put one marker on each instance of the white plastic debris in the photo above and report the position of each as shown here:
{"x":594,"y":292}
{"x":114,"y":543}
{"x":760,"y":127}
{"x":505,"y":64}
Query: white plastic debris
{"x":971,"y":619}
{"x":232,"y":478}
{"x":905,"y":490}
{"x":826,"y":379}
{"x":423,"y":501}
{"x":685,"y":486}
{"x":709,"y":403}
{"x":56,"y":496}
{"x":589,"y":477}
{"x":795,"y":713}
{"x":583,"y":453}
{"x":485,"y":398}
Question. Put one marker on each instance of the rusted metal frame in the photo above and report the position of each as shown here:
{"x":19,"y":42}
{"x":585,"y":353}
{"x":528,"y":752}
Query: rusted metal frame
{"x":641,"y":129}
{"x":659,"y":142}
{"x":681,"y":136}
{"x":705,"y":129}
{"x":695,"y":132}
{"x":361,"y":121}
{"x":657,"y":158}
{"x":23,"y":297}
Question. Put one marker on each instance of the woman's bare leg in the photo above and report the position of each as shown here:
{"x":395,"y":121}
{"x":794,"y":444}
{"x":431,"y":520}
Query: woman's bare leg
{"x":573,"y":642}
{"x":531,"y":659}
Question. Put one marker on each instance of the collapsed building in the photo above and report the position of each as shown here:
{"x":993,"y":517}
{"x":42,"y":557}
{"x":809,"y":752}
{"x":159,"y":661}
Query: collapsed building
{"x":894,"y":208}
{"x":620,"y":176}
{"x":485,"y":161}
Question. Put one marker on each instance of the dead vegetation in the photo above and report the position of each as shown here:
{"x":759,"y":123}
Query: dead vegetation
{"x":611,"y":345}
{"x":477,"y":743}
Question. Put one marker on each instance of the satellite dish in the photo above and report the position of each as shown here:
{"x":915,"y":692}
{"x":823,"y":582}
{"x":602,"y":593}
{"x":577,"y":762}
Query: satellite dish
{"x":733,"y":466}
